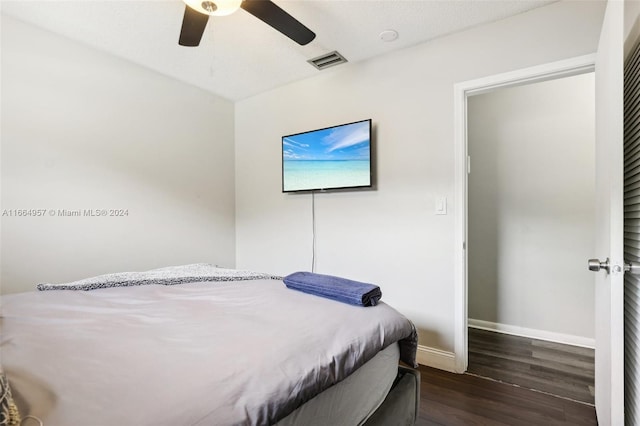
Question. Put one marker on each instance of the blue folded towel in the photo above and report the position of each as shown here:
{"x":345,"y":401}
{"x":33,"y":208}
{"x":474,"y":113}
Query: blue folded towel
{"x":336,"y":288}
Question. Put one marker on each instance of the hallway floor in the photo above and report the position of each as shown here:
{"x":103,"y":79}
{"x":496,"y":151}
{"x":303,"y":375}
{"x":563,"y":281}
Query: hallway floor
{"x":511,"y":381}
{"x":561,"y":370}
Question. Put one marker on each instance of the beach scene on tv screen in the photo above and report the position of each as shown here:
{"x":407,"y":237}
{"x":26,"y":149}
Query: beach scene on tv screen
{"x":337,"y":157}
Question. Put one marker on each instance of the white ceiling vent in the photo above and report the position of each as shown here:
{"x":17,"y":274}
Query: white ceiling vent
{"x":328,"y":60}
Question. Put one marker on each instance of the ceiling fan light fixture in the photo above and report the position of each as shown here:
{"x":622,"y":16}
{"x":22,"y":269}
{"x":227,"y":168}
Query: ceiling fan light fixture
{"x":214,"y":7}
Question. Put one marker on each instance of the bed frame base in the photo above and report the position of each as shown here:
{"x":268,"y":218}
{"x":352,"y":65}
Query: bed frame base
{"x":402,"y":404}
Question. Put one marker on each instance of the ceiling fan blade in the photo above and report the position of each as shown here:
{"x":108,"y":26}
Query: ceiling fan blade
{"x":193,"y":25}
{"x":270,"y":13}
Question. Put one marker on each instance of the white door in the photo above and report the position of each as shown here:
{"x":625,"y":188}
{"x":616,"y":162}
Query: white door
{"x":609,"y":333}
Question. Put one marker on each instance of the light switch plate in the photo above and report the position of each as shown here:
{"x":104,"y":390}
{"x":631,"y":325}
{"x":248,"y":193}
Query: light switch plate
{"x":441,"y":205}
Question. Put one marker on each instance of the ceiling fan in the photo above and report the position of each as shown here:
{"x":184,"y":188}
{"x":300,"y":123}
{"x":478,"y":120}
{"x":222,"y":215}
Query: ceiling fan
{"x":196,"y":15}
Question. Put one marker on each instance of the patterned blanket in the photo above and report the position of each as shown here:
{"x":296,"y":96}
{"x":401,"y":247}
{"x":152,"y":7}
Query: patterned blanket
{"x":171,"y":275}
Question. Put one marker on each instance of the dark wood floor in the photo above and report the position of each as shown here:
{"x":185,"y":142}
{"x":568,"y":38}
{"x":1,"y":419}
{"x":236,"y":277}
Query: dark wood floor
{"x":563,"y":370}
{"x":449,"y":399}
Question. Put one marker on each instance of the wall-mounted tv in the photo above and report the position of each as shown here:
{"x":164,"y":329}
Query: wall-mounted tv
{"x":337,"y":157}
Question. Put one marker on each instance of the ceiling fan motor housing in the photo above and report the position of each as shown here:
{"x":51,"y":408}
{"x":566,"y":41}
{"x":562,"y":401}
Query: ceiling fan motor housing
{"x":209,"y":6}
{"x":214,"y":7}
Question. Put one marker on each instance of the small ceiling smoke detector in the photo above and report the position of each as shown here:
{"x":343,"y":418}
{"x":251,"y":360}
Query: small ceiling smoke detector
{"x":328,"y":60}
{"x":388,"y":35}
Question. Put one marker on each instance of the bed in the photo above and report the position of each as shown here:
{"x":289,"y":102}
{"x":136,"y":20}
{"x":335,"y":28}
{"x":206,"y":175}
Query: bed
{"x":238,"y":350}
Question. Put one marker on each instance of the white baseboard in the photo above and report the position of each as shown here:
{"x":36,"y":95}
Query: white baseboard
{"x":567,"y":339}
{"x":436,"y":358}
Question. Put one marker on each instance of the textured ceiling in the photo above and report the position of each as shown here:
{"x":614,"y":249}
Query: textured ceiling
{"x":240,"y":56}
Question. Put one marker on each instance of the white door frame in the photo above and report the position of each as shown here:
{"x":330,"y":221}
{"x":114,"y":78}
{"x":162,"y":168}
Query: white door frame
{"x":550,"y":71}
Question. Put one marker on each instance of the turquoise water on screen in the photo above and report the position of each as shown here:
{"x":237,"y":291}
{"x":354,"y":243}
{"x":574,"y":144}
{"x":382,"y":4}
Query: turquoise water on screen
{"x":325,"y":174}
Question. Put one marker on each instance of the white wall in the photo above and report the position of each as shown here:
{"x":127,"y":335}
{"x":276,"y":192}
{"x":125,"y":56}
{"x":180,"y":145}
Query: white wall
{"x":531,"y":207}
{"x":85,"y":130}
{"x":631,"y":26}
{"x":389,"y":236}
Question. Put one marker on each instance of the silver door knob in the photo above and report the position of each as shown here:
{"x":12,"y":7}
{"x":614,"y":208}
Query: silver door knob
{"x":632,"y":267}
{"x":595,"y":265}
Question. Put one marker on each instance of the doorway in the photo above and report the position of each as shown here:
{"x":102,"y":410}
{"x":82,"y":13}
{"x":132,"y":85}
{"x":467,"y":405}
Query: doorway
{"x":531,"y":216}
{"x":463,"y":91}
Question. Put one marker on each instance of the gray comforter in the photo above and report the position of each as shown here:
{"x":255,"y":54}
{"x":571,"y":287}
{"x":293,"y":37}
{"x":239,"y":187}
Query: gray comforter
{"x":202,"y":353}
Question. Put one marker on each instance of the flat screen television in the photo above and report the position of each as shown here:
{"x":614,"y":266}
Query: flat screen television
{"x":337,"y":157}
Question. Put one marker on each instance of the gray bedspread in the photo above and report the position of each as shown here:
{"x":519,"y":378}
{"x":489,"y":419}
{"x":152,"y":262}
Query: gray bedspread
{"x":201,"y":353}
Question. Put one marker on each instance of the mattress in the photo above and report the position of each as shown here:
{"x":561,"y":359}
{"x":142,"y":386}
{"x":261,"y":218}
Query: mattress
{"x":227,"y":353}
{"x":353,"y":400}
